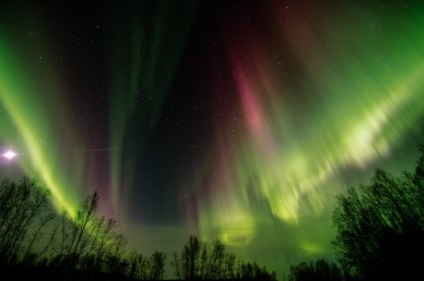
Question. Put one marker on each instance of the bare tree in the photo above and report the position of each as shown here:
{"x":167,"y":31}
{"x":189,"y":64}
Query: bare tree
{"x":157,"y":261}
{"x":201,"y":260}
{"x":229,"y":263}
{"x":380,"y":226}
{"x":84,"y":218}
{"x":216,"y":261}
{"x":190,"y":258}
{"x":18,"y":215}
{"x":103,"y":242}
{"x":177,"y":265}
{"x":138,"y":266}
{"x":115,"y":263}
{"x":35,"y":238}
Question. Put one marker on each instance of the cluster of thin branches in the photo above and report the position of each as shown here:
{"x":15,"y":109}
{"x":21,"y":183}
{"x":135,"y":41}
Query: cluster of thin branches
{"x":32,"y":235}
{"x":210,"y":261}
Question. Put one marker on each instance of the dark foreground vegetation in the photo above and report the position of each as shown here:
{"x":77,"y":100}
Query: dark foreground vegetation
{"x":36,"y":244}
{"x":380,"y":231}
{"x":380,"y":236}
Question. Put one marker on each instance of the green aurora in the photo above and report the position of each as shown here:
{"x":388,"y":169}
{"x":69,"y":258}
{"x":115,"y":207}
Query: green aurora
{"x":297,"y":102}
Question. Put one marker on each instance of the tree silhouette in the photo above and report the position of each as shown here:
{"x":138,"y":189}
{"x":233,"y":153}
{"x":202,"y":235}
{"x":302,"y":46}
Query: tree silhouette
{"x":380,"y":227}
{"x":139,"y":266}
{"x":229,"y":264}
{"x":190,"y":258}
{"x":85,"y":247}
{"x":177,"y":264}
{"x":215,"y":269}
{"x":252,"y":271}
{"x":24,"y":206}
{"x":320,"y":270}
{"x":157,"y":261}
{"x":79,"y":229}
{"x":203,"y":261}
{"x":72,"y":249}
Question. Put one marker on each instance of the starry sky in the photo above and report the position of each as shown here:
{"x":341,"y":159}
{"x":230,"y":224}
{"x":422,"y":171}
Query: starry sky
{"x":232,"y":120}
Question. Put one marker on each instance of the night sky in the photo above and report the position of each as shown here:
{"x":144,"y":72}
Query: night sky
{"x":232,"y":120}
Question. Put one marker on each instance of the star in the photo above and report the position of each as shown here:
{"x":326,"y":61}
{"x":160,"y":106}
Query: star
{"x":10,"y":154}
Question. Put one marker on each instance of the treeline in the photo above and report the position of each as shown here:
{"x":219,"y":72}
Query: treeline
{"x":35,"y":243}
{"x":203,"y":261}
{"x":380,"y":231}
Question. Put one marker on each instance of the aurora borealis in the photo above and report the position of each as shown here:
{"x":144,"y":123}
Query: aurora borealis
{"x":237,"y":120}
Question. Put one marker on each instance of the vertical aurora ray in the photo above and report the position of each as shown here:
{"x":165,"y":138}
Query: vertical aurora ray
{"x":31,"y":119}
{"x":140,"y":78}
{"x":357,"y":90}
{"x":242,"y":123}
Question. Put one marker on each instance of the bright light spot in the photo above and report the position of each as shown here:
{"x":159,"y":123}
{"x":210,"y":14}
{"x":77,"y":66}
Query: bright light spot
{"x":9,"y":154}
